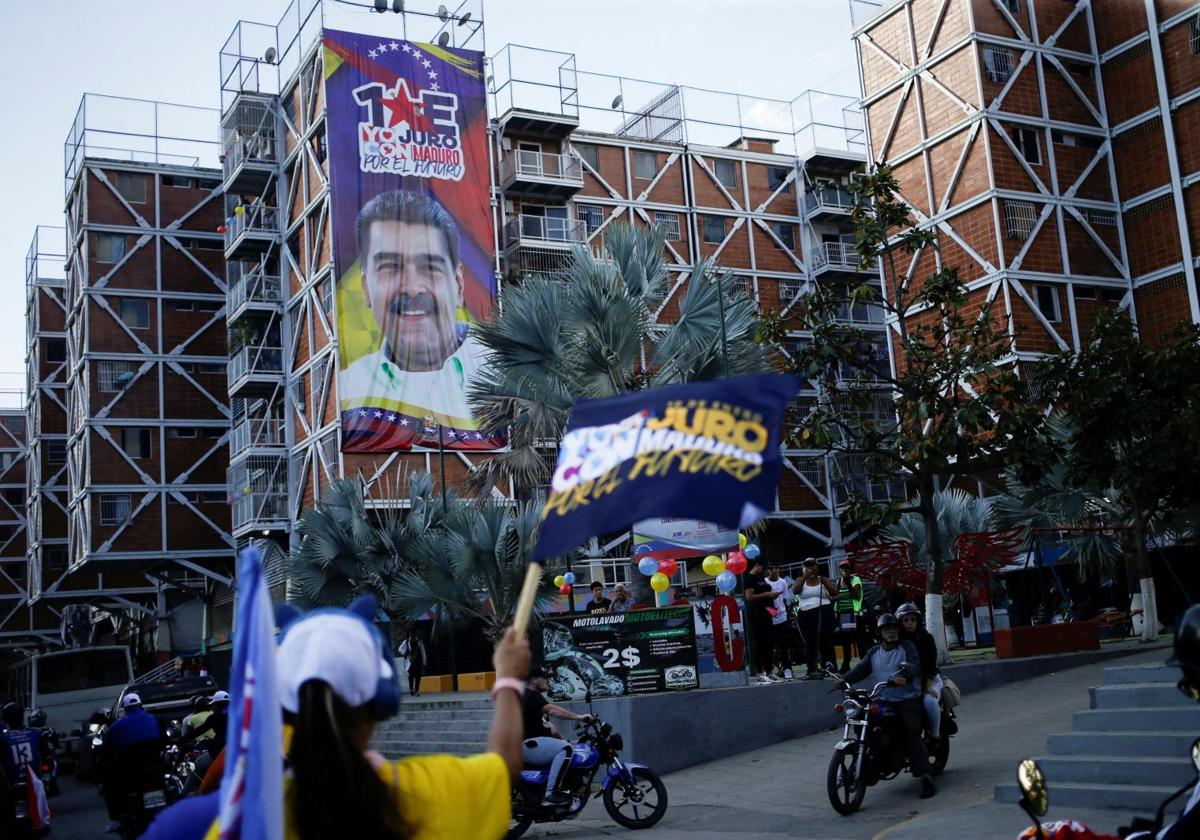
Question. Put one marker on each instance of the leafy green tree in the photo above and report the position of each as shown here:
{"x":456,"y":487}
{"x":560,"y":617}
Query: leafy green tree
{"x":593,"y":333}
{"x":951,"y":401}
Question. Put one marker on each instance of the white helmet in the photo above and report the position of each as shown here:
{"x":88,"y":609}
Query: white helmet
{"x":219,"y":697}
{"x":130,"y":700}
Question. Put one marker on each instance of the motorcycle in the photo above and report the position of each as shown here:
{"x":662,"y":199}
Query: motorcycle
{"x":634,"y":796}
{"x":151,"y":792}
{"x":48,"y":772}
{"x":871,"y":747}
{"x":1035,"y":801}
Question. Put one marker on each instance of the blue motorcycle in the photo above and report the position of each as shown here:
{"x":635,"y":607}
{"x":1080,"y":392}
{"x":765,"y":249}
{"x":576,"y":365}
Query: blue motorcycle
{"x":634,"y":796}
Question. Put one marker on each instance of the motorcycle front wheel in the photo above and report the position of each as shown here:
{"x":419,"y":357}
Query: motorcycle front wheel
{"x":637,"y":804}
{"x":940,"y":756}
{"x":518,"y":827}
{"x":846,"y":789}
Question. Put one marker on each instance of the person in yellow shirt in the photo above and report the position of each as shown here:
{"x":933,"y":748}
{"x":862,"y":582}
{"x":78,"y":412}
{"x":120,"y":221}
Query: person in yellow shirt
{"x":337,"y":681}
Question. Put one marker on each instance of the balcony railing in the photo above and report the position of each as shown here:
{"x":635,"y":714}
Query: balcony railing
{"x":838,"y":255}
{"x":255,"y":361}
{"x":543,"y":229}
{"x":259,"y":508}
{"x":254,"y":218}
{"x":257,"y":431}
{"x":256,"y":148}
{"x":530,"y":164}
{"x":828,"y":200}
{"x":254,"y":287}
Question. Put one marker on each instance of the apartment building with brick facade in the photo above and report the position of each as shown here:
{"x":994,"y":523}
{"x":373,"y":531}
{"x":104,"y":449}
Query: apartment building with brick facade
{"x":1053,"y":147}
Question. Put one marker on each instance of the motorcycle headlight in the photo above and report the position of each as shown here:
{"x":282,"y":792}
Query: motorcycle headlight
{"x":852,"y":708}
{"x":93,"y":728}
{"x":616,"y":742}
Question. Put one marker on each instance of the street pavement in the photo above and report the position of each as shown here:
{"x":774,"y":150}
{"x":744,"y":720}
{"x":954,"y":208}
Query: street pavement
{"x":78,"y":812}
{"x":779,"y":791}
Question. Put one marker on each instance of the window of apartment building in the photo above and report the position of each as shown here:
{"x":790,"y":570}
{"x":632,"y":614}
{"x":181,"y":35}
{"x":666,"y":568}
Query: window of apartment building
{"x":592,"y":215}
{"x":135,"y":312}
{"x":110,"y":247}
{"x":1107,"y":218}
{"x":206,"y":184}
{"x":1019,"y":218}
{"x":179,"y":181}
{"x":326,"y":290}
{"x":300,"y":394}
{"x":1114,"y":295}
{"x":7,"y":459}
{"x":321,"y":145}
{"x":786,"y":234}
{"x":1013,"y":6}
{"x":1078,"y":68}
{"x":668,"y":223}
{"x":213,"y":497}
{"x":208,"y":305}
{"x":56,"y":557}
{"x":209,"y":244}
{"x":181,"y":432}
{"x":112,"y":376}
{"x":212,"y":431}
{"x":1026,"y":141}
{"x":114,"y":508}
{"x":589,"y":153}
{"x":742,"y":284}
{"x":56,"y":452}
{"x":132,"y":186}
{"x":714,"y":230}
{"x":726,"y":172}
{"x":13,"y":424}
{"x":645,"y":165}
{"x":1196,"y":34}
{"x":1090,"y":141}
{"x":997,"y":62}
{"x":1061,"y":138}
{"x":788,"y":289}
{"x":1085,"y":292}
{"x":182,"y":305}
{"x":1046,"y":298}
{"x":776,"y":178}
{"x":56,"y":349}
{"x":136,"y":442}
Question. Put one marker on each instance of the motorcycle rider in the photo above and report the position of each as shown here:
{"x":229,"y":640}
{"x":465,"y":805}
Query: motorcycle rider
{"x":544,"y":744}
{"x":197,"y":716}
{"x":132,"y":744}
{"x":215,"y":725}
{"x":931,"y":681}
{"x":21,"y":745}
{"x":48,"y":744}
{"x":896,"y":662}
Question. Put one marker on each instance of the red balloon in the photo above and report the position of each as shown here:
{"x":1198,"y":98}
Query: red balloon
{"x":222,"y":229}
{"x":668,"y":567}
{"x":736,"y":562}
{"x":565,"y":589}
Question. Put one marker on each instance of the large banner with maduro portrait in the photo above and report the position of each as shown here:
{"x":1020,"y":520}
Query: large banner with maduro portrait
{"x":413,"y":243}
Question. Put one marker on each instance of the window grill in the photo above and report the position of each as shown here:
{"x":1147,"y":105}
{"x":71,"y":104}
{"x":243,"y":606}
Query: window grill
{"x":1019,"y":219}
{"x":114,"y":508}
{"x":998,"y":62}
{"x":1101,"y":217}
{"x":592,"y":215}
{"x":1196,"y":34}
{"x":114,"y":376}
{"x":668,"y":223}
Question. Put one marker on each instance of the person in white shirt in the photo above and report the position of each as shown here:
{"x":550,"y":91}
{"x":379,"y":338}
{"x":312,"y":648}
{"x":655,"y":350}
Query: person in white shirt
{"x":412,"y":276}
{"x":816,"y":593}
{"x":781,"y":625}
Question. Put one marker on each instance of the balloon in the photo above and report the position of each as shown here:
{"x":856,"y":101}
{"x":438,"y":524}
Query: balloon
{"x":565,"y":589}
{"x":647,"y":565}
{"x":559,"y":580}
{"x":713,"y":565}
{"x":668,"y":567}
{"x":659,"y":582}
{"x":239,"y":210}
{"x":569,"y":577}
{"x":736,"y":562}
{"x":222,"y":229}
{"x":742,"y":540}
{"x":752,"y":551}
{"x":726,"y":582}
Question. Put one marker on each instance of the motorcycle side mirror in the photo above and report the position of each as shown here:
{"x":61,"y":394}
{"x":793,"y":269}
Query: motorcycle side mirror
{"x":1032,"y":782}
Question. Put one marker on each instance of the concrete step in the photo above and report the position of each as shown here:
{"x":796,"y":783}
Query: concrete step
{"x":1119,"y":744}
{"x":412,"y":704}
{"x":1168,"y":719}
{"x":1108,"y":770}
{"x":449,"y":736}
{"x":1125,"y":674}
{"x":1135,"y":696}
{"x":1126,"y":798}
{"x":426,"y":749}
{"x":444,"y":714}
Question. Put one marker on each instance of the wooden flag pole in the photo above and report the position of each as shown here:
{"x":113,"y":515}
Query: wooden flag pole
{"x":533,"y":576}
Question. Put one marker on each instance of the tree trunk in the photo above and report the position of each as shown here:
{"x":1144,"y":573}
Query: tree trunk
{"x":1145,"y":580}
{"x":934,"y":622}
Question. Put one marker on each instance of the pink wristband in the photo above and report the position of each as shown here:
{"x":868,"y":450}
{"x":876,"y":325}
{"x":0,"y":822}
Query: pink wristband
{"x":511,"y":683}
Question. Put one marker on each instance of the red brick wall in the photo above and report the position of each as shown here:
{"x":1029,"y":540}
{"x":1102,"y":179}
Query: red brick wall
{"x":1140,"y":155}
{"x":1162,"y":306}
{"x":1117,"y":21}
{"x":1152,"y":236}
{"x":1129,"y":85}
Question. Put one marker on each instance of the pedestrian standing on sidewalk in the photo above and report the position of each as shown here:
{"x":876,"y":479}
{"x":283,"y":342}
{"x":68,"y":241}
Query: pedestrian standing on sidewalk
{"x":816,"y":594}
{"x":781,"y":624}
{"x":758,"y":598}
{"x":849,"y":613}
{"x":412,"y":650}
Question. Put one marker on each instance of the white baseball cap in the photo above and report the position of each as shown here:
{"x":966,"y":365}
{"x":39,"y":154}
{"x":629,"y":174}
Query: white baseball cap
{"x":131,"y":699}
{"x":219,"y":697}
{"x":339,"y":649}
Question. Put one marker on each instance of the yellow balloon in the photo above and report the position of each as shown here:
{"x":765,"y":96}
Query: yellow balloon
{"x":742,"y":541}
{"x":559,"y":580}
{"x":713,"y":565}
{"x":659,"y":582}
{"x":239,"y":210}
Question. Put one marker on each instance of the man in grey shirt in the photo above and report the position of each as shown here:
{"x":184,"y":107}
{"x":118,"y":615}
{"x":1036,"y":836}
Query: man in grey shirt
{"x":896,"y":662}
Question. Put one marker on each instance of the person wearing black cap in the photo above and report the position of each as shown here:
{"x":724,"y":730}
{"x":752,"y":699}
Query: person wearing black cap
{"x":544,"y":744}
{"x":598,"y":604}
{"x":759,"y":597}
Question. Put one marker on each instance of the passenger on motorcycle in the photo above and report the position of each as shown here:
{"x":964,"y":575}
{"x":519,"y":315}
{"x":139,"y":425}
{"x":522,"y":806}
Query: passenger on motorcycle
{"x":896,"y":662}
{"x":132,"y":745}
{"x":544,"y":743}
{"x":21,"y":745}
{"x":198,"y":715}
{"x":931,"y":681}
{"x":212,"y":730}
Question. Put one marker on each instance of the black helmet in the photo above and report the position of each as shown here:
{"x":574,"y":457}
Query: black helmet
{"x":199,"y":703}
{"x":37,"y":718}
{"x":908,"y":609}
{"x":1187,"y":651}
{"x":886,"y":620}
{"x":13,"y":715}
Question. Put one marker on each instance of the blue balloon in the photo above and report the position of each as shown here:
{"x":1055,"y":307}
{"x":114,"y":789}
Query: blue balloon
{"x":726,"y":582}
{"x":647,"y":566}
{"x":751,"y":551}
{"x":569,"y":577}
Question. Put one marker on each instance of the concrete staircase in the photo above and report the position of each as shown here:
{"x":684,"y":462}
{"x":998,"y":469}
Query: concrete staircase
{"x":1129,"y":751}
{"x":439,"y":723}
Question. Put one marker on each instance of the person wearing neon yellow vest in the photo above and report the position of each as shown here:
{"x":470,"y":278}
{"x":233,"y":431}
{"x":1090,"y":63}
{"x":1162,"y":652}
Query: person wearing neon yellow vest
{"x":849,"y":613}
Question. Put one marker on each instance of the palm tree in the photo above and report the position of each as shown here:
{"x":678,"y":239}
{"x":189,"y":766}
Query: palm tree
{"x":593,"y":334}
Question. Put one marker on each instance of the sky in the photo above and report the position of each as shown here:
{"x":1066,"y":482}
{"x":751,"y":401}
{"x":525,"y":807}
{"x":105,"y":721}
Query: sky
{"x":167,"y":50}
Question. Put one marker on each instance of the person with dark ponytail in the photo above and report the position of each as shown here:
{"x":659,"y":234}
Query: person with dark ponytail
{"x":337,"y":682}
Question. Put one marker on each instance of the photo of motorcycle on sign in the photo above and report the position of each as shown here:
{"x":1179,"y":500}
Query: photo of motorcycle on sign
{"x":636,"y":652}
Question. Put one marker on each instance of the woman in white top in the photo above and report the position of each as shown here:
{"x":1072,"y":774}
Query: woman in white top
{"x":815,"y":595}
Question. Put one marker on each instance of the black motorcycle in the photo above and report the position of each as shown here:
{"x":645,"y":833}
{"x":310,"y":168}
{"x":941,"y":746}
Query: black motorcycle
{"x":871,"y":749}
{"x":633,"y":794}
